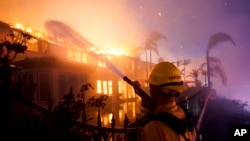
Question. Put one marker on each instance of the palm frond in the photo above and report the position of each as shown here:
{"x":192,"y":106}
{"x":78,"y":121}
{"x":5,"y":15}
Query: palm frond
{"x":218,"y":37}
{"x":194,"y":73}
{"x":203,"y":65}
{"x":155,"y":50}
{"x":154,"y":35}
{"x":151,"y":41}
{"x":186,"y":62}
{"x":217,"y":70}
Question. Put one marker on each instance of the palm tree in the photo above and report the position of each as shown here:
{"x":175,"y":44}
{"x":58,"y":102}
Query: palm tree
{"x":184,"y":63}
{"x":216,"y":70}
{"x":213,"y":67}
{"x":214,"y":39}
{"x":151,"y":45}
{"x":195,"y":74}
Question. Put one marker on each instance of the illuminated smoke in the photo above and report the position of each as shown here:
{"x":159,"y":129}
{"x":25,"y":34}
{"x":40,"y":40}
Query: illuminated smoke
{"x":187,"y":24}
{"x":62,"y":30}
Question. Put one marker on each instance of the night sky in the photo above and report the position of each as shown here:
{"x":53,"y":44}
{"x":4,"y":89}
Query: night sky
{"x":187,"y":24}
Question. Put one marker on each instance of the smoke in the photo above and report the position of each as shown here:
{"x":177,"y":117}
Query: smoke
{"x":186,"y":24}
{"x":235,"y":63}
{"x":102,"y":22}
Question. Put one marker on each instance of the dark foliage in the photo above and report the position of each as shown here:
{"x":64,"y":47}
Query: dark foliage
{"x":13,"y":44}
{"x":220,"y":114}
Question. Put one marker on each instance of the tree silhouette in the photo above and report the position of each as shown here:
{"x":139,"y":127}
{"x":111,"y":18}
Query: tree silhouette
{"x":195,"y":74}
{"x":97,"y":102}
{"x":216,"y":70}
{"x":212,"y":63}
{"x":151,"y":45}
{"x":12,"y":44}
{"x":184,"y":62}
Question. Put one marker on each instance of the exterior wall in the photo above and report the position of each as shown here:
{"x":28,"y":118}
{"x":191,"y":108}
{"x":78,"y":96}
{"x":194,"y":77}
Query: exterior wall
{"x":31,"y":87}
{"x":40,"y":49}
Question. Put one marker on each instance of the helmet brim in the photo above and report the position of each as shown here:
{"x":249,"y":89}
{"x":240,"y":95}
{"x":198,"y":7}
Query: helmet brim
{"x":178,"y":88}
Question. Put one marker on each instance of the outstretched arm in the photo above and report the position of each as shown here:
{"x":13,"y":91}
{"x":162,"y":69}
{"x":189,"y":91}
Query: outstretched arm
{"x":145,"y":98}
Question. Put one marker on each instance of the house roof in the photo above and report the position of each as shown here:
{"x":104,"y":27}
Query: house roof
{"x":53,"y":62}
{"x":4,"y":29}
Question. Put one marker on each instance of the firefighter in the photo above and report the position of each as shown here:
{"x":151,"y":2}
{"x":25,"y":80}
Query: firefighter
{"x":165,"y":85}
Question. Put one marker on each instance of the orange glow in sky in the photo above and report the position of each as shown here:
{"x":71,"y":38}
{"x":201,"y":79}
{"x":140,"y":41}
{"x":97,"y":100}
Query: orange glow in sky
{"x":186,"y":24}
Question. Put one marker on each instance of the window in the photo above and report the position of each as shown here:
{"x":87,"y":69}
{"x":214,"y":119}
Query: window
{"x":130,"y":92}
{"x":45,"y":88}
{"x":84,"y":58}
{"x":119,"y":87}
{"x":77,"y":56}
{"x":70,"y":54}
{"x":99,"y":86}
{"x":72,"y":82}
{"x":27,"y":85}
{"x":104,"y":86}
{"x":63,"y":90}
{"x":100,"y":64}
{"x":110,"y":87}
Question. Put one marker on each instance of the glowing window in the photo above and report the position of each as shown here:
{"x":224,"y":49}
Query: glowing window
{"x":78,"y":57}
{"x":105,"y":88}
{"x":119,"y":87}
{"x":110,"y":87}
{"x":84,"y":58}
{"x":131,"y":93}
{"x":70,"y":54}
{"x":99,"y":86}
{"x":105,"y":121}
{"x":125,"y":91}
{"x":104,"y":64}
{"x":101,"y":63}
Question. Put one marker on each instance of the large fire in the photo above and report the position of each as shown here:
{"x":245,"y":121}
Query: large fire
{"x":114,"y":51}
{"x":34,"y":33}
{"x":50,"y":38}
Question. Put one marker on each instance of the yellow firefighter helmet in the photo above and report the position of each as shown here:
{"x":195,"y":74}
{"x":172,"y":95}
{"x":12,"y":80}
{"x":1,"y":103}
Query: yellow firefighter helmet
{"x":167,"y":76}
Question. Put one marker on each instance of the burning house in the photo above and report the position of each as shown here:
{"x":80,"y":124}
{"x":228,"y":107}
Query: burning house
{"x":52,"y":65}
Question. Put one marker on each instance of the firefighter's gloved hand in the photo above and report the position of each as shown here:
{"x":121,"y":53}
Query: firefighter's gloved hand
{"x":146,"y":101}
{"x":136,"y":85}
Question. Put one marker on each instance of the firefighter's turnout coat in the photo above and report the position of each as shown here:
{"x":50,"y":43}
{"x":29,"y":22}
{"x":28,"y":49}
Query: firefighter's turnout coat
{"x":156,"y":130}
